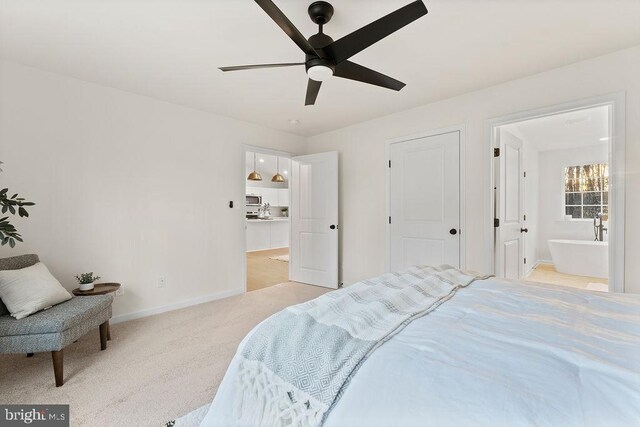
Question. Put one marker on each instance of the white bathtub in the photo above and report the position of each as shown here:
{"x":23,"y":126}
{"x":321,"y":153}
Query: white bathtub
{"x":581,"y":257}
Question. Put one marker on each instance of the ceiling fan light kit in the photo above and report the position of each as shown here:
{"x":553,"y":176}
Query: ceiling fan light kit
{"x":320,"y":73}
{"x":325,"y":58}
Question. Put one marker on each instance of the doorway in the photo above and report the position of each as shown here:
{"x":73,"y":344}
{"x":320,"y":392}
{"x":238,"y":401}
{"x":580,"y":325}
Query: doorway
{"x":424,"y":200}
{"x":290,"y":218}
{"x":557,"y":196}
{"x":266,"y":214}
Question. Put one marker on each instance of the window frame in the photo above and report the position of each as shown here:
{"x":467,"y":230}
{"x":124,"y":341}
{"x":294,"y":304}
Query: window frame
{"x":582,"y":205}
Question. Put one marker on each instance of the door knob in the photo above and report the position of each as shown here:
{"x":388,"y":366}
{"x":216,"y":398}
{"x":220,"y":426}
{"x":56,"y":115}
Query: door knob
{"x":453,"y":231}
{"x":333,"y":226}
{"x":524,"y":230}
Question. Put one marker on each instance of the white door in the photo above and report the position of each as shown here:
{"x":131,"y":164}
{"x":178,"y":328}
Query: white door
{"x":314,"y":219}
{"x":425,"y":201}
{"x":509,"y":166}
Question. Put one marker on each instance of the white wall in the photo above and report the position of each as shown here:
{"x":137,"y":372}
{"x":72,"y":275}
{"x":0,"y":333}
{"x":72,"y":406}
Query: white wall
{"x":552,"y":223}
{"x":362,"y":155}
{"x":127,"y":186}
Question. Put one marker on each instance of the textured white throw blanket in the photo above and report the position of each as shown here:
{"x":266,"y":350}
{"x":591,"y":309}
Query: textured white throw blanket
{"x":297,"y":363}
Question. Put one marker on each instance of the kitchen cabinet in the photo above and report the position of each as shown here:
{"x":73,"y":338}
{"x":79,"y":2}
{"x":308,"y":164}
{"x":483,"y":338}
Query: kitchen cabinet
{"x":279,"y":234}
{"x":283,"y":197}
{"x":265,"y":234}
{"x":270,"y":195}
{"x":258,"y":236}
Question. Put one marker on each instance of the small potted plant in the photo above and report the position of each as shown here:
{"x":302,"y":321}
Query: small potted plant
{"x":86,"y":281}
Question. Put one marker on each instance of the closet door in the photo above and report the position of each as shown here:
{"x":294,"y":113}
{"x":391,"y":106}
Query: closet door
{"x":425,"y":201}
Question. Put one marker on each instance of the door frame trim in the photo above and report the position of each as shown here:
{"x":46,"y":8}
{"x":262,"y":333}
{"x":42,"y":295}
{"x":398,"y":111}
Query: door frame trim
{"x":245,"y":149}
{"x":461,"y":128}
{"x":617,"y":139}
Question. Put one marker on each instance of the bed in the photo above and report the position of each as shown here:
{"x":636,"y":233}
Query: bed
{"x":496,"y":353}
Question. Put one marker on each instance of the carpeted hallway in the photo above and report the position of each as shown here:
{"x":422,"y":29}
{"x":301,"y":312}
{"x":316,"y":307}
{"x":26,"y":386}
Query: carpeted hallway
{"x":155,"y":369}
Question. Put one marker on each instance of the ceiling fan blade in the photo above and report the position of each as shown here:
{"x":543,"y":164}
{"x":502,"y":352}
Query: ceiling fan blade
{"x":288,"y":27}
{"x":258,"y":66}
{"x":352,"y":71}
{"x":344,"y":48}
{"x":313,"y":87}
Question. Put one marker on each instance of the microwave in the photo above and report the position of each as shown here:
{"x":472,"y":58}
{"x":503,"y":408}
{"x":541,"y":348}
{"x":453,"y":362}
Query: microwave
{"x":253,"y":200}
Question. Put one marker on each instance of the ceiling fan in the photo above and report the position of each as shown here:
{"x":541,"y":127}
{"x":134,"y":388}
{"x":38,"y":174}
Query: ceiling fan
{"x":325,"y":58}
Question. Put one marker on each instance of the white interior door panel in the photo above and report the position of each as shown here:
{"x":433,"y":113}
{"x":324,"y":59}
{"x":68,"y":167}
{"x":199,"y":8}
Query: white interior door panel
{"x":425,"y":201}
{"x":510,"y":207}
{"x":314,"y":219}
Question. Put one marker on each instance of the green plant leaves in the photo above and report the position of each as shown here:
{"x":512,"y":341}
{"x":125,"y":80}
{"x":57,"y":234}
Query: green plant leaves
{"x":85,"y":278}
{"x":14,"y":204}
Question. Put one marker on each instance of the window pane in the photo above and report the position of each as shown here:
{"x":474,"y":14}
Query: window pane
{"x":590,"y":178}
{"x":574,"y":211}
{"x":591,"y":211}
{"x":572,"y":185}
{"x":605,"y":198}
{"x":573,"y":199}
{"x":592,"y":198}
{"x":572,"y":178}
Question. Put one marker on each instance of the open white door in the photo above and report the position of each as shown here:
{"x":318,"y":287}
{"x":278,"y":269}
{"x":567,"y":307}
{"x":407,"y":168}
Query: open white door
{"x":509,"y":206}
{"x":424,"y":185}
{"x":314,"y":219}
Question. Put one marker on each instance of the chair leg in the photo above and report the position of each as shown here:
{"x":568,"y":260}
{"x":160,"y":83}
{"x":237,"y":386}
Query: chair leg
{"x":29,"y":354}
{"x":57,"y":357}
{"x":104,"y":331}
{"x":108,"y":332}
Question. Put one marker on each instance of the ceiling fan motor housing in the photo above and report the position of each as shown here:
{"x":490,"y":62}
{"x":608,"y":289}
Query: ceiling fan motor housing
{"x":319,"y":41}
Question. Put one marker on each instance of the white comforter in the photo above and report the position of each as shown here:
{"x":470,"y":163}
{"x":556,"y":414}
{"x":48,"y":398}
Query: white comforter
{"x":499,"y":353}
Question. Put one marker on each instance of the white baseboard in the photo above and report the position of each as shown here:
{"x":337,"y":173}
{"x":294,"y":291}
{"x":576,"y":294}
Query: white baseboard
{"x":175,"y":306}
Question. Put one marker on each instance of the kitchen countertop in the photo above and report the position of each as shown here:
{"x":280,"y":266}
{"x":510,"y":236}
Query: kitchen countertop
{"x":278,"y":218}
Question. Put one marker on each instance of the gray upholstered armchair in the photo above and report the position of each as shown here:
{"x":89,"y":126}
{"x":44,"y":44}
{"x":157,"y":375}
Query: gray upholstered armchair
{"x":55,"y":328}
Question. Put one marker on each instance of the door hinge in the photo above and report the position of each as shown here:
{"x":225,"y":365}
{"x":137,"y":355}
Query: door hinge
{"x":496,"y":152}
{"x":525,"y":260}
{"x":389,"y":163}
{"x":496,"y":222}
{"x":389,"y":220}
{"x":525,"y":217}
{"x":525,"y":174}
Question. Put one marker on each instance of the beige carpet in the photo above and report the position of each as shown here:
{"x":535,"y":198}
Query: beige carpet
{"x":156,"y":369}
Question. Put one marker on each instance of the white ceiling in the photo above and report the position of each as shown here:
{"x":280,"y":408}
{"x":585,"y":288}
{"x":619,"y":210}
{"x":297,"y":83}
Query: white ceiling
{"x":170,"y":50}
{"x":573,"y":129}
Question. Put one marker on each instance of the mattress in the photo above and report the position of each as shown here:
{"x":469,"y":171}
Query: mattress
{"x":499,"y":353}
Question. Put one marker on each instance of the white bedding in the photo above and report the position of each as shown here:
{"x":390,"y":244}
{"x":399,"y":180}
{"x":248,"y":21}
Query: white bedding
{"x":499,"y":353}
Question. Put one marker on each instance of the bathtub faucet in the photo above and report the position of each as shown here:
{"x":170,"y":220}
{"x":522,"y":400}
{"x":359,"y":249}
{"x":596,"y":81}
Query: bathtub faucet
{"x":598,"y":228}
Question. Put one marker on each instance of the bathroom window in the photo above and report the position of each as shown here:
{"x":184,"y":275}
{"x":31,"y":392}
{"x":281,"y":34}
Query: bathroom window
{"x":586,"y":190}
